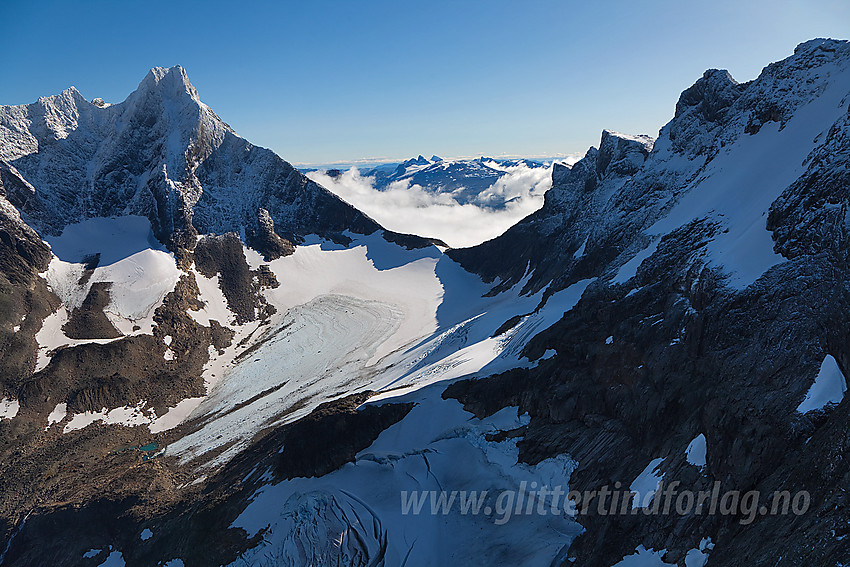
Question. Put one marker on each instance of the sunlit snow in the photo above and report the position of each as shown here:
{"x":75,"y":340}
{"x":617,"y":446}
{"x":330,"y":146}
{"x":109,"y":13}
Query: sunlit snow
{"x":9,"y":408}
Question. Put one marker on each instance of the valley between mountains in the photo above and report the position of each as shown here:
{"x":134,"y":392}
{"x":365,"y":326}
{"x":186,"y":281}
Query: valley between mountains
{"x":207,"y":358}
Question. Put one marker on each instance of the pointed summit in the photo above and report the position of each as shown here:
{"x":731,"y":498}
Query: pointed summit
{"x":66,"y":99}
{"x":622,"y":154}
{"x":413,"y":161}
{"x":711,"y":95}
{"x":164,"y":155}
{"x":171,"y":82}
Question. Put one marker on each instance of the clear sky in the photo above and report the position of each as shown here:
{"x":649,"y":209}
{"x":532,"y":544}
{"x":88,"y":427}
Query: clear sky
{"x":334,"y":81}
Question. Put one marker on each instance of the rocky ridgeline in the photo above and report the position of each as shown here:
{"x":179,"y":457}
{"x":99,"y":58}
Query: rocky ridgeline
{"x":165,"y":155}
{"x":691,"y":353}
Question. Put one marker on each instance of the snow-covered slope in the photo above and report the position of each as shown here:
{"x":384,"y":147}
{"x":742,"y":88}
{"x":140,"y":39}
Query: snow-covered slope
{"x":353,"y":516}
{"x":725,"y":158}
{"x":369,"y":317}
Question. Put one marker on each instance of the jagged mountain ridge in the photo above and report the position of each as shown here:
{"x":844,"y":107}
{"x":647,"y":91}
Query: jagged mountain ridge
{"x":602,"y":209}
{"x":570,"y":211}
{"x":719,"y":294}
{"x":162,"y":154}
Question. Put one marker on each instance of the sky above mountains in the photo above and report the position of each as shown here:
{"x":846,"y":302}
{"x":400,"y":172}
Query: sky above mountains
{"x":333,"y":82}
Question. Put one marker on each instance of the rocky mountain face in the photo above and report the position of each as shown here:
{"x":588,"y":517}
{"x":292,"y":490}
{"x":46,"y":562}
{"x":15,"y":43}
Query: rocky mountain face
{"x":692,"y":326}
{"x":264,"y":389}
{"x":164,"y":155}
{"x":551,"y":237}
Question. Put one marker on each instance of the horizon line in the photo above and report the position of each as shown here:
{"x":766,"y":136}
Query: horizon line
{"x":369,"y":161}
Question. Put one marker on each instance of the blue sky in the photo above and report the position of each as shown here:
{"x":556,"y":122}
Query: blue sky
{"x":322,"y":82}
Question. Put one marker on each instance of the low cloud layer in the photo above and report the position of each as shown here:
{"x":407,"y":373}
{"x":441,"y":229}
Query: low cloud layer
{"x":407,"y":208}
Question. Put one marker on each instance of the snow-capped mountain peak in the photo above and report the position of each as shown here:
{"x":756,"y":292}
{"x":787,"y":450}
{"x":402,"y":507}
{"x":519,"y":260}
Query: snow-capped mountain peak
{"x":172,"y":82}
{"x":164,"y":155}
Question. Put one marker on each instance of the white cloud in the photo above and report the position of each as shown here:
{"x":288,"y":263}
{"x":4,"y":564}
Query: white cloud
{"x":411,"y":209}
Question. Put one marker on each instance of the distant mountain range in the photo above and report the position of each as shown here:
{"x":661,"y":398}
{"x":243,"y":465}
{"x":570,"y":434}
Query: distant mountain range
{"x":467,"y":180}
